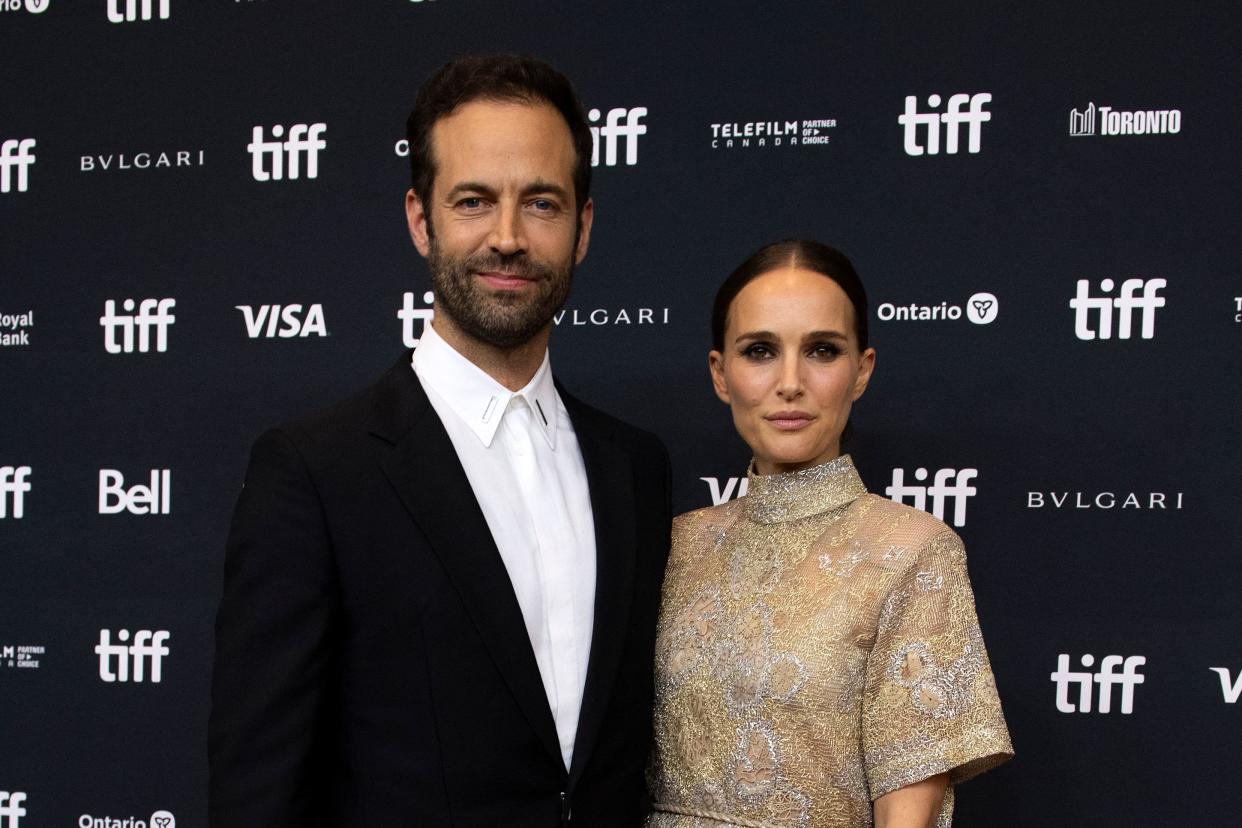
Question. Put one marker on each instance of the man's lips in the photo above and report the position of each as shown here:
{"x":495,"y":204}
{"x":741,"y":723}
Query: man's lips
{"x":789,"y":420}
{"x":504,"y":281}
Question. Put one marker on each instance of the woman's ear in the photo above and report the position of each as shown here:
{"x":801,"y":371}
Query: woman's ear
{"x":715,"y":364}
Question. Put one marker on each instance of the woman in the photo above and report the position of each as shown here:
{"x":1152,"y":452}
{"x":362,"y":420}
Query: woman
{"x":819,"y":662}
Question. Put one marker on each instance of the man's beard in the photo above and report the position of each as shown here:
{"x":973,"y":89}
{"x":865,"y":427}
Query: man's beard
{"x":502,"y":319}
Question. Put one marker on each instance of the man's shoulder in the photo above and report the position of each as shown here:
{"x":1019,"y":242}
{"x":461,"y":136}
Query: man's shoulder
{"x":611,"y":426}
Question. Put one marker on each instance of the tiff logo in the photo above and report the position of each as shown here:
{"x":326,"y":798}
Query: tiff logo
{"x":733,"y":487}
{"x":16,"y":152}
{"x":285,"y":321}
{"x":11,"y":807}
{"x":147,"y":646}
{"x":613,"y":130}
{"x":953,"y":119}
{"x":154,"y":499}
{"x":14,"y":483}
{"x":409,"y":314}
{"x":302,"y":138}
{"x":152,"y":313}
{"x":940,"y":492}
{"x":1231,"y":689}
{"x":1129,"y":300}
{"x":1107,"y":676}
{"x":1083,"y":123}
{"x":136,"y":9}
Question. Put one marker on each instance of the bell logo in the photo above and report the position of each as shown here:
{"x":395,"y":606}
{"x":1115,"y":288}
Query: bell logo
{"x":953,"y":119}
{"x":14,"y":484}
{"x":286,"y":156}
{"x":136,"y":9}
{"x":284,"y":321}
{"x":733,"y":487}
{"x":947,"y":484}
{"x":1084,"y":304}
{"x":114,"y":659}
{"x":613,"y":130}
{"x":16,"y":152}
{"x":152,"y":313}
{"x":1231,"y":689}
{"x":410,"y":314}
{"x":11,"y":807}
{"x":1106,"y":677}
{"x":153,"y":499}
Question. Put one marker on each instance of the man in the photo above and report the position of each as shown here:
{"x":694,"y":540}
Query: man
{"x":440,"y":595}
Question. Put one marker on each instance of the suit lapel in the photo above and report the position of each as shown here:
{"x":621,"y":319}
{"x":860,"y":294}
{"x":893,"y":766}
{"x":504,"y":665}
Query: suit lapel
{"x":424,"y":469}
{"x":610,"y":477}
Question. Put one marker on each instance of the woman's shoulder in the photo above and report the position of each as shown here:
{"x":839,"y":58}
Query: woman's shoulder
{"x":719,"y":515}
{"x":881,"y":517}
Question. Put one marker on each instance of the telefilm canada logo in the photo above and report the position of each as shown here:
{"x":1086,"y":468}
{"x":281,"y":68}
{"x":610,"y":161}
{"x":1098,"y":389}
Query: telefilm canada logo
{"x":14,"y":486}
{"x":16,"y":159}
{"x":981,"y":309}
{"x":11,"y":810}
{"x":1104,"y":120}
{"x":1237,"y":309}
{"x":962,"y":109}
{"x":772,"y":134}
{"x":128,"y":662}
{"x":159,"y":819}
{"x":15,"y":329}
{"x":1095,"y":689}
{"x":1094,"y":315}
{"x":32,"y":6}
{"x":614,"y":141}
{"x":948,"y":487}
{"x":278,"y":160}
{"x":21,"y":656}
{"x":283,"y":321}
{"x":136,"y":326}
{"x":127,"y":11}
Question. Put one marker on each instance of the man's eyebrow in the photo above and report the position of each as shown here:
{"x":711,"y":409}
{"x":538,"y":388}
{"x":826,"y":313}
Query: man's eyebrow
{"x":468,"y":187}
{"x":539,"y":186}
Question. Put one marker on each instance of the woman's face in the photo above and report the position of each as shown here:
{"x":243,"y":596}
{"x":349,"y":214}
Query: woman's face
{"x":791,"y":368}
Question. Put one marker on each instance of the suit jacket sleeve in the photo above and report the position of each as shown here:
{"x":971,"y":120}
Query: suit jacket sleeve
{"x":275,"y":643}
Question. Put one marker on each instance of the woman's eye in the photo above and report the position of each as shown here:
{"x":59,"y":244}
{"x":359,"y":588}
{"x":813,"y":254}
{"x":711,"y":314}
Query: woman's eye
{"x":825,"y":350}
{"x":758,"y":350}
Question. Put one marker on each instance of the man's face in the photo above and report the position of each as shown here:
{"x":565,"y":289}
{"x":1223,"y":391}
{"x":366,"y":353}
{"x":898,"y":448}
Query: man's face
{"x":506,"y":237}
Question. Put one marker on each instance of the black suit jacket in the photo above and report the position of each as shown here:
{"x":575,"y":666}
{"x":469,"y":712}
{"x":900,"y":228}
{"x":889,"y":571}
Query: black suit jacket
{"x":372,"y":666}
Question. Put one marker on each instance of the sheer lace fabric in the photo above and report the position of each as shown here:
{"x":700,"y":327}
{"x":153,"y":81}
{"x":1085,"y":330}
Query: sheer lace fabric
{"x":818,"y":648}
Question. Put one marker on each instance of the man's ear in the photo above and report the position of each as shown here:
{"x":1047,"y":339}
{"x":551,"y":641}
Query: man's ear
{"x":584,"y":230}
{"x":416,"y":218}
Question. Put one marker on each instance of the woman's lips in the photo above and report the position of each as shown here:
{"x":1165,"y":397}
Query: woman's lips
{"x":505,"y":281}
{"x":789,"y":420}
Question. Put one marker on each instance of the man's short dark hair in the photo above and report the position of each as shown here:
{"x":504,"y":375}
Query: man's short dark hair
{"x":501,"y":78}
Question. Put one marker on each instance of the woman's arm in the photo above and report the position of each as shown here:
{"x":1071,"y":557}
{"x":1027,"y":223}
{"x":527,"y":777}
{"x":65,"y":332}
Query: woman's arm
{"x":914,"y":806}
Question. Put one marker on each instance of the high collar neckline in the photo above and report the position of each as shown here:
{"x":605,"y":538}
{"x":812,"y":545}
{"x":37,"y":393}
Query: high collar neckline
{"x":777,"y":498}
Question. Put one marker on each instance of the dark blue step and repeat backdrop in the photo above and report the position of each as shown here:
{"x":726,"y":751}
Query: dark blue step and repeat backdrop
{"x":201,"y":234}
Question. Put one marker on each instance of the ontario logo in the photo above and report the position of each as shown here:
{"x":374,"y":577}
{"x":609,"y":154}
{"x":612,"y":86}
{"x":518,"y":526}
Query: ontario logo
{"x":980,"y":308}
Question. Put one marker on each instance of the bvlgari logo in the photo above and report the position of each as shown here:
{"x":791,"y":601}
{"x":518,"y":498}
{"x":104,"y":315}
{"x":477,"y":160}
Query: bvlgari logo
{"x":1122,"y":501}
{"x":155,"y":159}
{"x":610,"y":317}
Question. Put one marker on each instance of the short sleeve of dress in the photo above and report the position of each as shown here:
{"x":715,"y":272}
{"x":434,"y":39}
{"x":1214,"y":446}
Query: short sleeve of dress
{"x":929,"y":700}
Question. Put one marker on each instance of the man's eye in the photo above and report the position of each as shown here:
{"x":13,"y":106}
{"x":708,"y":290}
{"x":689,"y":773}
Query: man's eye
{"x":543,"y":205}
{"x":470,"y":203}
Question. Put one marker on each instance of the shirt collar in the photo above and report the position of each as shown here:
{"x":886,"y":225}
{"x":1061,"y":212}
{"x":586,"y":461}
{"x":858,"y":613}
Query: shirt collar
{"x":476,"y":398}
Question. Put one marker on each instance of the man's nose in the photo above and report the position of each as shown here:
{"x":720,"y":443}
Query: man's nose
{"x":507,"y":236}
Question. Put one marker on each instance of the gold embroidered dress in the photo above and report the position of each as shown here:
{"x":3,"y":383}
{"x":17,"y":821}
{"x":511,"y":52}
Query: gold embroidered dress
{"x":818,"y":648}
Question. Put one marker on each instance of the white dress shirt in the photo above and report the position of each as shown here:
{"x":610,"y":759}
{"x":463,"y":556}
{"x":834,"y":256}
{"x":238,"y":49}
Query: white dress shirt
{"x":522,"y":459}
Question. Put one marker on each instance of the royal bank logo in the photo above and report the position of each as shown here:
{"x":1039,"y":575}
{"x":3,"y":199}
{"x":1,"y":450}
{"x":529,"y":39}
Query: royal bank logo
{"x":154,"y":498}
{"x":610,"y":317}
{"x":11,"y":810}
{"x":135,"y":329}
{"x":144,"y":160}
{"x":21,"y":656}
{"x":730,"y":488}
{"x":1094,"y":315}
{"x":277,"y":160}
{"x":980,"y":308}
{"x":283,"y":321}
{"x":32,"y":6}
{"x":948,"y":486}
{"x":929,"y":124}
{"x":15,"y":329}
{"x":1230,"y":687}
{"x":16,"y":159}
{"x":14,"y":485}
{"x":127,"y":11}
{"x":414,"y":319}
{"x":621,"y":126}
{"x":1105,"y":120}
{"x":773,"y":134}
{"x":1107,"y":500}
{"x":159,"y":819}
{"x":126,"y":662}
{"x":1098,"y":685}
